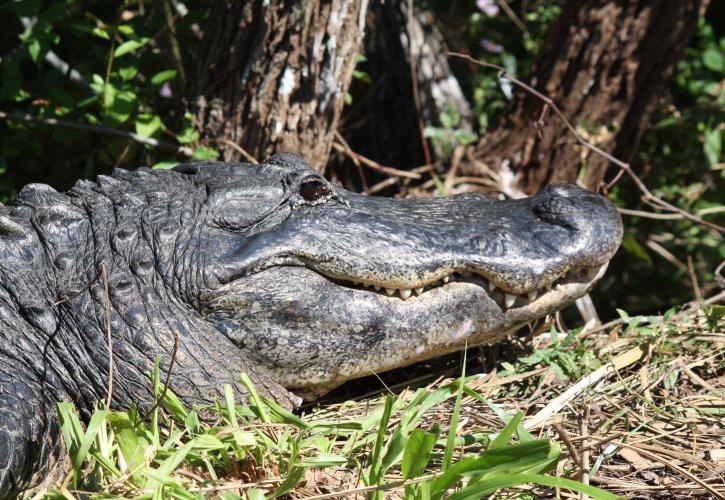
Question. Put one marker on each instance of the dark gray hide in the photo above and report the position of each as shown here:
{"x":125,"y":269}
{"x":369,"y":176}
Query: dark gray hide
{"x":264,"y":269}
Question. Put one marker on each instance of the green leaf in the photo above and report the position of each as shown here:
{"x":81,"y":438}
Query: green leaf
{"x":165,"y":164}
{"x":207,"y":442}
{"x":464,"y":137}
{"x":101,"y":33}
{"x":129,"y":46}
{"x":453,"y":429}
{"x":361,"y":75}
{"x":396,"y":445}
{"x":417,"y":452}
{"x":34,"y":49}
{"x":163,"y":76}
{"x":712,"y":146}
{"x":187,"y":135}
{"x":205,"y":153}
{"x":128,"y":72}
{"x":324,"y":460}
{"x":121,"y":106}
{"x":148,"y":124}
{"x":713,"y":59}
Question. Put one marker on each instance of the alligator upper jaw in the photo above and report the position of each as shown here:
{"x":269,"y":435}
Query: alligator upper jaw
{"x":505,"y":298}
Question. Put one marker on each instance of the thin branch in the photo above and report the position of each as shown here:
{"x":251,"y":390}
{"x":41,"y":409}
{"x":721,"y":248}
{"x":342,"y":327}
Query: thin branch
{"x":239,"y":149}
{"x":647,"y":195}
{"x":109,"y":338}
{"x":99,"y":129}
{"x":351,"y":154}
{"x":514,"y":18}
{"x":718,"y":276}
{"x":375,"y":165}
{"x":564,"y":436}
{"x":170,"y":19}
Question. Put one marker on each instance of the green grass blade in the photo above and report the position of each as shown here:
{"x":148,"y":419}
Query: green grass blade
{"x":90,"y":436}
{"x":132,"y":446}
{"x":375,"y":464}
{"x":295,"y":476}
{"x":417,"y":452}
{"x":157,"y":390}
{"x":488,"y":486}
{"x":284,"y":415}
{"x":453,"y":429}
{"x":504,"y":436}
{"x":534,"y":456}
{"x":256,"y":400}
{"x":521,"y":432}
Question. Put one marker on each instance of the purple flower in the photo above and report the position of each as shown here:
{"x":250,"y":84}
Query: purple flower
{"x":490,"y":46}
{"x":489,"y":7}
{"x":165,"y":90}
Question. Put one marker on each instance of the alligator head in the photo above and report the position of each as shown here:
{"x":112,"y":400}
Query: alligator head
{"x":321,"y":285}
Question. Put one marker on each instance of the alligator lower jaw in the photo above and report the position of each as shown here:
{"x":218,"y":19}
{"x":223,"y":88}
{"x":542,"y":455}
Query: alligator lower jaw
{"x":505,"y":300}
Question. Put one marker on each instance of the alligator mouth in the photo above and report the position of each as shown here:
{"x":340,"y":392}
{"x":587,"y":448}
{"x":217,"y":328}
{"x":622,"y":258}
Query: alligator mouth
{"x":505,"y":299}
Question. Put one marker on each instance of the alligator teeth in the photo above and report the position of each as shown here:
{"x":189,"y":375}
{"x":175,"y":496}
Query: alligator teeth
{"x":446,"y":279}
{"x":547,"y":286}
{"x":592,"y":272}
{"x":390,"y":291}
{"x":418,"y":291}
{"x":376,"y":287}
{"x":509,"y":300}
{"x":491,"y":286}
{"x":405,"y":293}
{"x":532,"y":295}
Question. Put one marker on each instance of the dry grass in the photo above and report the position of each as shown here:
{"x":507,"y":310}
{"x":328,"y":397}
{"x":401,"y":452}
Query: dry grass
{"x":653,"y":427}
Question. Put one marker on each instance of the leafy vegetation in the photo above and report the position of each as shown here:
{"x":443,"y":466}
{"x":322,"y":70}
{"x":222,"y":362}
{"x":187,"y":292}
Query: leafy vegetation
{"x":177,"y":456}
{"x":460,"y":438}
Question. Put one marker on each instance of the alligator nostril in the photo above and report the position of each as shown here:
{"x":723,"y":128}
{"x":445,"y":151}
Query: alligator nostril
{"x":553,"y":205}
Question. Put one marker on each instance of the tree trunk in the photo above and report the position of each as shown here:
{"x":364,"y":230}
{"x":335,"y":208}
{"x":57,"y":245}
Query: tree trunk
{"x":272,"y":75}
{"x":383,"y":122}
{"x":605,"y":63}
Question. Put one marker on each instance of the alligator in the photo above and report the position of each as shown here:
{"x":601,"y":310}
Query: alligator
{"x":266,"y":269}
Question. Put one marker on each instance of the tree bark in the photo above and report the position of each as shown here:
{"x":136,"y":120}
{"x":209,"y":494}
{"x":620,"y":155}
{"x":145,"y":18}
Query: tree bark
{"x":605,"y":63}
{"x":272,"y":75}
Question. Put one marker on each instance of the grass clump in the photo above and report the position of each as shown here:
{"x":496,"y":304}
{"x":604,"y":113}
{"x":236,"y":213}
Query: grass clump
{"x":390,"y":447}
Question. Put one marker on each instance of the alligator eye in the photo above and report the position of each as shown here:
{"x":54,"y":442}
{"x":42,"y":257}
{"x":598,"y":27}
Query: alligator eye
{"x":314,"y":189}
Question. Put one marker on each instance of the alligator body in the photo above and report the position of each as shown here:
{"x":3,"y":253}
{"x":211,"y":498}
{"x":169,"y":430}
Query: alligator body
{"x":265,"y":269}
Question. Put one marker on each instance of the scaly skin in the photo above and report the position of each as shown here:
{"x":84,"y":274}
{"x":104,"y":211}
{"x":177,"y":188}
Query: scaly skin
{"x":264,"y":269}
